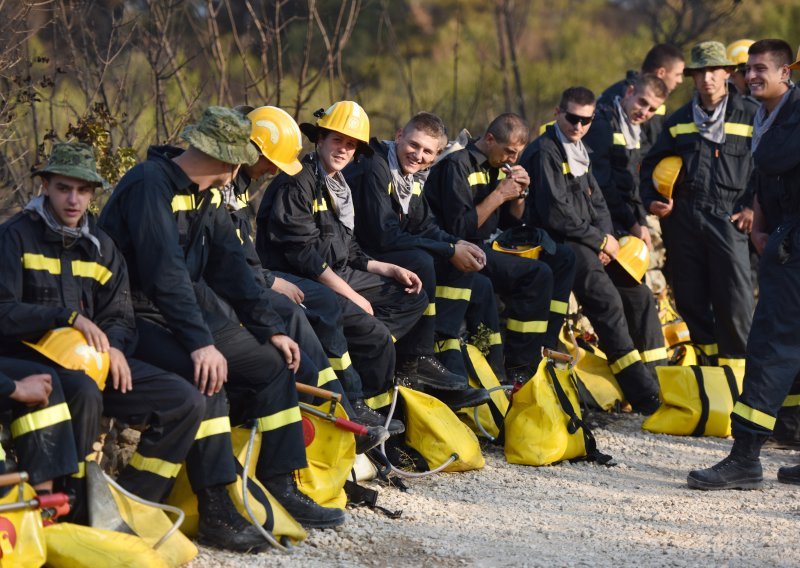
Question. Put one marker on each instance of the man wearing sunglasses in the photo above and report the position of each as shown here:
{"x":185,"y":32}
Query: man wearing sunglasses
{"x":567,"y":201}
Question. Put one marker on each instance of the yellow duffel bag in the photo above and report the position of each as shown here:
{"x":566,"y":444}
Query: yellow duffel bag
{"x":594,"y":374}
{"x":696,"y":401}
{"x":490,"y":416}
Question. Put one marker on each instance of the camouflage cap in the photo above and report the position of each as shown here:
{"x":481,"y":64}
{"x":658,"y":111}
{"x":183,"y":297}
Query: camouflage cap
{"x":72,"y":159}
{"x":709,"y":54}
{"x":224,"y":134}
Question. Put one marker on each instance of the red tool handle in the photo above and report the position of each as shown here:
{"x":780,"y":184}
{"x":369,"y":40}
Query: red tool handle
{"x":351,"y":426}
{"x":52,"y":501}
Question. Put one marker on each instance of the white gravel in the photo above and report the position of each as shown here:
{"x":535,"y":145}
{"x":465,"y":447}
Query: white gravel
{"x":638,"y":513}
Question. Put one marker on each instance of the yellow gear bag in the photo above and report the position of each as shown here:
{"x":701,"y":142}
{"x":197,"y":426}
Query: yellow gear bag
{"x":77,"y":546}
{"x":436,"y":433}
{"x":696,"y":401}
{"x":594,"y":376}
{"x":481,"y":375}
{"x":544,"y":424}
{"x":22,"y":540}
{"x":330,"y":454}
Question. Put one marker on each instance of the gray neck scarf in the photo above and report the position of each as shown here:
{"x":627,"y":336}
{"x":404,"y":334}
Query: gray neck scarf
{"x":228,"y":193}
{"x":577,"y":156}
{"x":710,"y":127}
{"x":631,"y":132}
{"x":40,"y":207}
{"x":763,"y":120}
{"x":341,"y":196}
{"x":403,"y":185}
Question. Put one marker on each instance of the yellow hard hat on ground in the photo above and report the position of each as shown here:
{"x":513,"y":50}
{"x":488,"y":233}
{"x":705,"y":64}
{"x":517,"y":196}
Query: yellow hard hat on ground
{"x":344,"y":117}
{"x":737,"y":51}
{"x":676,"y":332}
{"x":277,"y":136}
{"x":665,"y":175}
{"x":633,"y":256}
{"x":67,"y":347}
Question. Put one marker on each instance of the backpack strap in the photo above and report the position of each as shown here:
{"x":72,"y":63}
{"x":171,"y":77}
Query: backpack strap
{"x":699,"y":430}
{"x":358,"y":495}
{"x":732,"y":386}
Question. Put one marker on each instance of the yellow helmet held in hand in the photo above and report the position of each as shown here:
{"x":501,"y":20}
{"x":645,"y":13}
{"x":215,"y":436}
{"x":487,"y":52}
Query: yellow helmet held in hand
{"x":344,"y":117}
{"x":633,"y":256}
{"x":737,"y":51}
{"x":665,"y":175}
{"x":676,"y":332}
{"x":277,"y":136}
{"x":67,"y":347}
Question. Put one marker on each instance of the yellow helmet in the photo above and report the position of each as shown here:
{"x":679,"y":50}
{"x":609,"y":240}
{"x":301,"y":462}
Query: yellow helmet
{"x":67,"y":347}
{"x":633,"y":256}
{"x":526,"y":251}
{"x":277,"y":136}
{"x":676,"y":332}
{"x":344,"y":117}
{"x":737,"y":51}
{"x":665,"y":175}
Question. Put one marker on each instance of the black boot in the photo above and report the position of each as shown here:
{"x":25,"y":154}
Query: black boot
{"x":740,"y":470}
{"x":374,"y":437}
{"x":221,"y":525}
{"x":457,"y":400}
{"x":647,"y":405}
{"x":426,"y":370}
{"x":789,"y":474}
{"x":368,"y":417}
{"x":301,"y":507}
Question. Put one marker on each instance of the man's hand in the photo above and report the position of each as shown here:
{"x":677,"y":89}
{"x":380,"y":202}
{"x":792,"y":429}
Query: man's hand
{"x":604,"y":258}
{"x":93,"y":334}
{"x":759,"y":241}
{"x":476,"y":251}
{"x":412,"y":283}
{"x":464,"y":258}
{"x":289,"y":349}
{"x":362,"y":303}
{"x":520,"y":177}
{"x":33,"y":390}
{"x":643,"y":233}
{"x":120,"y":371}
{"x":661,"y":209}
{"x":611,"y":248}
{"x":288,"y":289}
{"x":743,"y":220}
{"x":210,"y":369}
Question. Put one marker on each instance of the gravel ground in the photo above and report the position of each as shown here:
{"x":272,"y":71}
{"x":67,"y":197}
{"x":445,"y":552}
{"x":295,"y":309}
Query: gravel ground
{"x":638,"y":513}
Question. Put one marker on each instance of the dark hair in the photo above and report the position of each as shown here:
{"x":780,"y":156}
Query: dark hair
{"x":578,"y":95}
{"x":509,"y":127}
{"x":780,"y":50}
{"x":428,"y":123}
{"x":661,"y":55}
{"x":655,"y":84}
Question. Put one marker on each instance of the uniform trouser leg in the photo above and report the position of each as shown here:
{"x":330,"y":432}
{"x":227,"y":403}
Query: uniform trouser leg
{"x":773,"y":352}
{"x":324,"y":313}
{"x":787,"y":426}
{"x":210,"y":459}
{"x":483,"y":319}
{"x":562,"y":265}
{"x":43,"y":438}
{"x":601,"y":303}
{"x":526,"y":287}
{"x":172,"y":410}
{"x":454,"y":293}
{"x":261,"y":388}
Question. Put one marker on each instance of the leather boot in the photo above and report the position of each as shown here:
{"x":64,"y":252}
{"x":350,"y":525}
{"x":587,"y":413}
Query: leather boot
{"x":789,"y":474}
{"x":368,"y":417}
{"x":304,"y":510}
{"x":221,"y":525}
{"x":740,"y":470}
{"x":426,"y":370}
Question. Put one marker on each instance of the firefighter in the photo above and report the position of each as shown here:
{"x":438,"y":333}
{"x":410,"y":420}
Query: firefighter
{"x":773,"y":356}
{"x":567,"y":201}
{"x":615,"y":141}
{"x":394,"y":224}
{"x":200,"y":311}
{"x":737,"y":52}
{"x":706,"y":222}
{"x":471,"y":198}
{"x":666,"y":62}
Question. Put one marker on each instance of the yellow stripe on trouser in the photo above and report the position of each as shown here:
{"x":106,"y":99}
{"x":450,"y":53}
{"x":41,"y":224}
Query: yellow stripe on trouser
{"x":325,"y":376}
{"x":213,"y":426}
{"x":495,"y":338}
{"x":430,"y":310}
{"x":791,"y":400}
{"x":341,"y":364}
{"x":526,"y":326}
{"x":446,"y":345}
{"x":625,"y":361}
{"x":709,"y":348}
{"x":755,"y":416}
{"x":651,"y":355}
{"x":450,"y":293}
{"x":558,"y":307}
{"x":733,"y":363}
{"x":155,"y":466}
{"x":81,"y":471}
{"x":379,"y":400}
{"x":279,"y":419}
{"x":40,"y":419}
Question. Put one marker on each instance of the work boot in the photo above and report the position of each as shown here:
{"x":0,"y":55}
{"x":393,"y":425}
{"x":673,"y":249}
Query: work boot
{"x":301,"y":507}
{"x":426,"y":370}
{"x":457,"y":400}
{"x":740,"y":470}
{"x":374,"y":437}
{"x":368,"y":417}
{"x":647,"y":405}
{"x":221,"y":525}
{"x":789,"y":474}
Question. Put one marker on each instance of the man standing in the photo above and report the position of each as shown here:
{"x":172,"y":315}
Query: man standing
{"x":773,"y":355}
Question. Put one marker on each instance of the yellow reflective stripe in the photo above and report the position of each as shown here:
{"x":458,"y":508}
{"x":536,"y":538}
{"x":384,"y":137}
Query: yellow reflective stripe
{"x":709,"y":348}
{"x":738,"y":129}
{"x":213,"y":426}
{"x":41,"y":262}
{"x":450,"y":293}
{"x":182,"y":203}
{"x":625,"y":361}
{"x":319,"y":205}
{"x":619,"y":139}
{"x":476,"y":178}
{"x":325,"y":376}
{"x":155,"y":466}
{"x":416,"y":188}
{"x":239,"y":236}
{"x":792,"y":400}
{"x":755,"y":416}
{"x":543,"y":127}
{"x":651,"y":355}
{"x":216,"y":197}
{"x":558,"y":307}
{"x":683,"y":128}
{"x":662,"y":110}
{"x":91,"y":270}
{"x":495,"y":338}
{"x":733,"y":363}
{"x":394,"y":339}
{"x":526,"y":326}
{"x":446,"y":345}
{"x":81,"y":471}
{"x":389,"y":189}
{"x":243,"y":199}
{"x":279,"y":419}
{"x":379,"y":400}
{"x":565,"y":168}
{"x":430,"y":310}
{"x":40,"y":419}
{"x":501,"y":175}
{"x":341,"y":364}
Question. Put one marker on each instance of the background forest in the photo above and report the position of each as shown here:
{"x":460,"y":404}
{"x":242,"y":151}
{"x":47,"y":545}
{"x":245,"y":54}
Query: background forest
{"x":123,"y":74}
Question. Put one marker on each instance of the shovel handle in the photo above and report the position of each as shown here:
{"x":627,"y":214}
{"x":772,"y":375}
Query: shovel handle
{"x":318,"y":392}
{"x":556,"y":355}
{"x":13,"y":478}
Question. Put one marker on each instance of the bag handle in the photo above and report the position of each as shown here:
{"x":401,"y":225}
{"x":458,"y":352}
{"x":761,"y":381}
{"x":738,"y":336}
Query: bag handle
{"x":700,"y":429}
{"x":732,"y":386}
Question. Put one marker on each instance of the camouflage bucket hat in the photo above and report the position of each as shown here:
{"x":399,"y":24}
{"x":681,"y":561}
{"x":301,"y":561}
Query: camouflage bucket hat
{"x":708,"y":54}
{"x":224,"y":134}
{"x":72,"y":159}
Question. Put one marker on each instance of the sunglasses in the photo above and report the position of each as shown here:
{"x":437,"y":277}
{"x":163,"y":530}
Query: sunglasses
{"x":576,"y":118}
